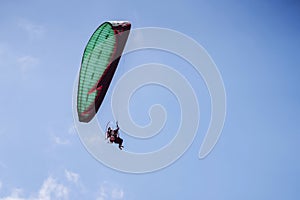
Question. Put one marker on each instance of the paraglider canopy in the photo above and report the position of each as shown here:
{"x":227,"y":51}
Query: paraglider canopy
{"x":99,"y":63}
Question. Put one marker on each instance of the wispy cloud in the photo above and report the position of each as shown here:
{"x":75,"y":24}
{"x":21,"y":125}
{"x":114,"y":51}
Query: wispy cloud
{"x":109,"y":191}
{"x":13,"y":63}
{"x":72,"y":129}
{"x":62,"y":136}
{"x":27,"y":63}
{"x":67,"y":187}
{"x":23,"y":64}
{"x":50,"y":189}
{"x":15,"y":195}
{"x":72,"y":176}
{"x":53,"y":190}
{"x":34,"y":31}
{"x":60,"y":141}
{"x":117,"y":193}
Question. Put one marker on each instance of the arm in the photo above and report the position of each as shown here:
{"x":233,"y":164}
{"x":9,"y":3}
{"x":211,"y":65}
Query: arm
{"x":108,"y":134}
{"x":117,"y":127}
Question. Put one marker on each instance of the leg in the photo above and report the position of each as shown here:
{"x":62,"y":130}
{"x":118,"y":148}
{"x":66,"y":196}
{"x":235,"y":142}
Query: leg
{"x":120,"y":142}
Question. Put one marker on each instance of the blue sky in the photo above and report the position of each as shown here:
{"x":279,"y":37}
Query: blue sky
{"x":255,"y":45}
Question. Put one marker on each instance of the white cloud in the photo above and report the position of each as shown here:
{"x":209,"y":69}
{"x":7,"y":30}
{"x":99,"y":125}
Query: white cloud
{"x":60,"y":141}
{"x":15,"y":195}
{"x":22,"y":64}
{"x":117,"y":193}
{"x":34,"y":31}
{"x":110,"y":191}
{"x":27,"y":63}
{"x":72,"y":130}
{"x":69,"y":187}
{"x":103,"y":193}
{"x":50,"y":189}
{"x":62,"y":137}
{"x":72,"y":176}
